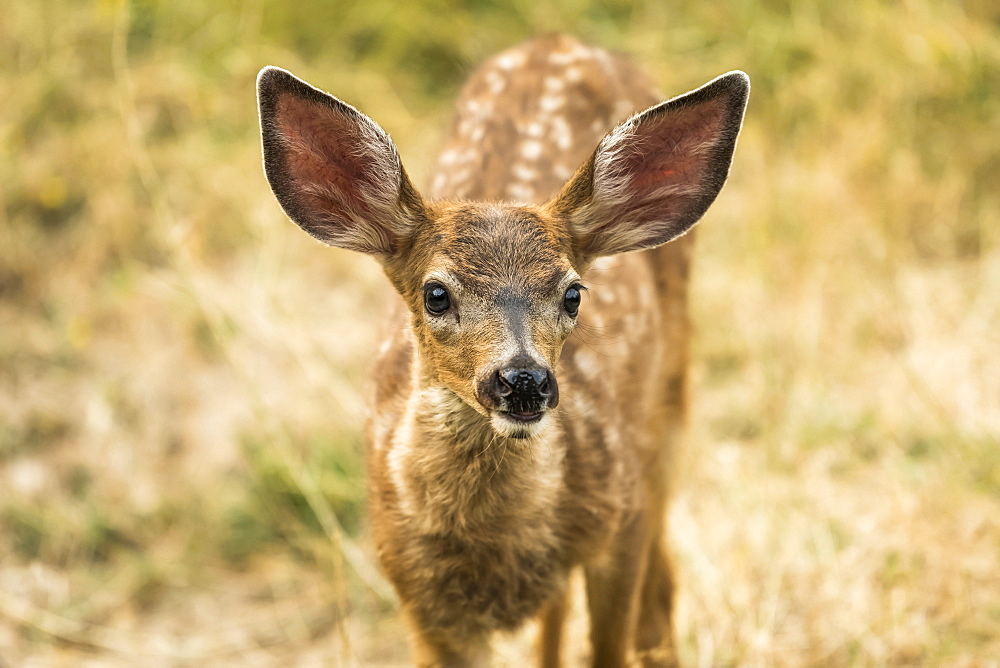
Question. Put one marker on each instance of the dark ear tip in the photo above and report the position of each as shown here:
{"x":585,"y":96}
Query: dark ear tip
{"x":736,"y":83}
{"x":271,"y":79}
{"x":738,"y":76}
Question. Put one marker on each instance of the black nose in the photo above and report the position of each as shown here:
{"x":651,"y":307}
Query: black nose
{"x":526,"y":387}
{"x":523,"y":382}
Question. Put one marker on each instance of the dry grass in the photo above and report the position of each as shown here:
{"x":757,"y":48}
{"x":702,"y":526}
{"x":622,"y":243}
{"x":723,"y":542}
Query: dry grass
{"x":180,"y":468}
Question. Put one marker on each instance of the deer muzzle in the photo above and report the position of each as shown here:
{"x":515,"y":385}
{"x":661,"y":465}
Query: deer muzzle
{"x":522,"y":390}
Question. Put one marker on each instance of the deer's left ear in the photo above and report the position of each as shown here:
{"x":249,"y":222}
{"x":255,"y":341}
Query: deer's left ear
{"x":655,"y":175}
{"x":334,"y":170}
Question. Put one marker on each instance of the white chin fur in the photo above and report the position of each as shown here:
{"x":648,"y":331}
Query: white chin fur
{"x":505,"y":426}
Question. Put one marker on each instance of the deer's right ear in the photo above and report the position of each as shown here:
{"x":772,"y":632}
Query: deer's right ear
{"x":654,"y":175}
{"x":334,"y":171}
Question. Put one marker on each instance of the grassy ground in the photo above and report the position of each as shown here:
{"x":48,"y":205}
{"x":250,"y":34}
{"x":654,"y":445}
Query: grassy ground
{"x":181,"y":480}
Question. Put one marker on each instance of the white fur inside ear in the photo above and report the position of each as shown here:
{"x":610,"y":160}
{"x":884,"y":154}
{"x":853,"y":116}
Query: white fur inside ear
{"x":336,"y":172}
{"x":616,"y":170}
{"x":655,"y":174}
{"x":618,"y":195}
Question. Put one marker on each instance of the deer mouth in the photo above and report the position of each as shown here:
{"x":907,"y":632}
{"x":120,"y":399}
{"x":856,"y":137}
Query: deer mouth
{"x":524,"y":417}
{"x":518,"y":424}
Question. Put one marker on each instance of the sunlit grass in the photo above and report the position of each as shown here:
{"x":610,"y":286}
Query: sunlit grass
{"x":183,"y":372}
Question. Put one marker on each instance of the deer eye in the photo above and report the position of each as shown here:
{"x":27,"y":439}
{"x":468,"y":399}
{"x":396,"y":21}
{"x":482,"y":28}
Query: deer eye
{"x":436,"y":299}
{"x":571,"y":301}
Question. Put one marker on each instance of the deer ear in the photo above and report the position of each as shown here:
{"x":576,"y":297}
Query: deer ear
{"x":334,"y":171}
{"x":655,"y":175}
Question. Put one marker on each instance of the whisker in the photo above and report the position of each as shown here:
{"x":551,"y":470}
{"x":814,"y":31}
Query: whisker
{"x":502,"y":455}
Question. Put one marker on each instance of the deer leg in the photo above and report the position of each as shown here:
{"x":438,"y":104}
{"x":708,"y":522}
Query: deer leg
{"x":550,"y":633}
{"x":654,"y":632}
{"x":612,"y":599}
{"x":436,"y":649}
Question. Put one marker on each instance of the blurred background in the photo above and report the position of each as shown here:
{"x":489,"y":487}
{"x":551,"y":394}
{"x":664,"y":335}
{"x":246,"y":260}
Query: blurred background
{"x":182,"y":370}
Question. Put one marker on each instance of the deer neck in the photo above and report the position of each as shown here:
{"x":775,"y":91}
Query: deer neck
{"x":453,"y":473}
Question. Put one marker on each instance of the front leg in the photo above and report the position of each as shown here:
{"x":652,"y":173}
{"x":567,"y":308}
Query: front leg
{"x":435,"y":648}
{"x":552,"y":618}
{"x":612,"y":598}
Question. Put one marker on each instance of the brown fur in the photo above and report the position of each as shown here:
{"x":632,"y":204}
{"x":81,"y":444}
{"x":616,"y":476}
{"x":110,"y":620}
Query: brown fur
{"x":477,"y":521}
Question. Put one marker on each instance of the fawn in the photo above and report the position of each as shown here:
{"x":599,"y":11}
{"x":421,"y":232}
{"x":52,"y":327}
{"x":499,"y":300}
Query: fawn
{"x":518,"y":430}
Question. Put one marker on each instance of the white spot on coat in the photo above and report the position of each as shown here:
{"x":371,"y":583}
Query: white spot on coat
{"x":520,"y":192}
{"x":496,"y":82}
{"x":509,"y":61}
{"x":550,"y":103}
{"x":554,"y":84}
{"x":531,"y":149}
{"x":586,"y":361}
{"x":524,"y":172}
{"x":561,"y":133}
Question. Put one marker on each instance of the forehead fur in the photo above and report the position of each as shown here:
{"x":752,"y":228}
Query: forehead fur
{"x":490,"y":246}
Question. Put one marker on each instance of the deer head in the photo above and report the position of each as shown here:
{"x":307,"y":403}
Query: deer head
{"x":494,"y":288}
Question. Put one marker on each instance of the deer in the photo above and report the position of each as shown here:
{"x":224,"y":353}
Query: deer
{"x":519,"y":431}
